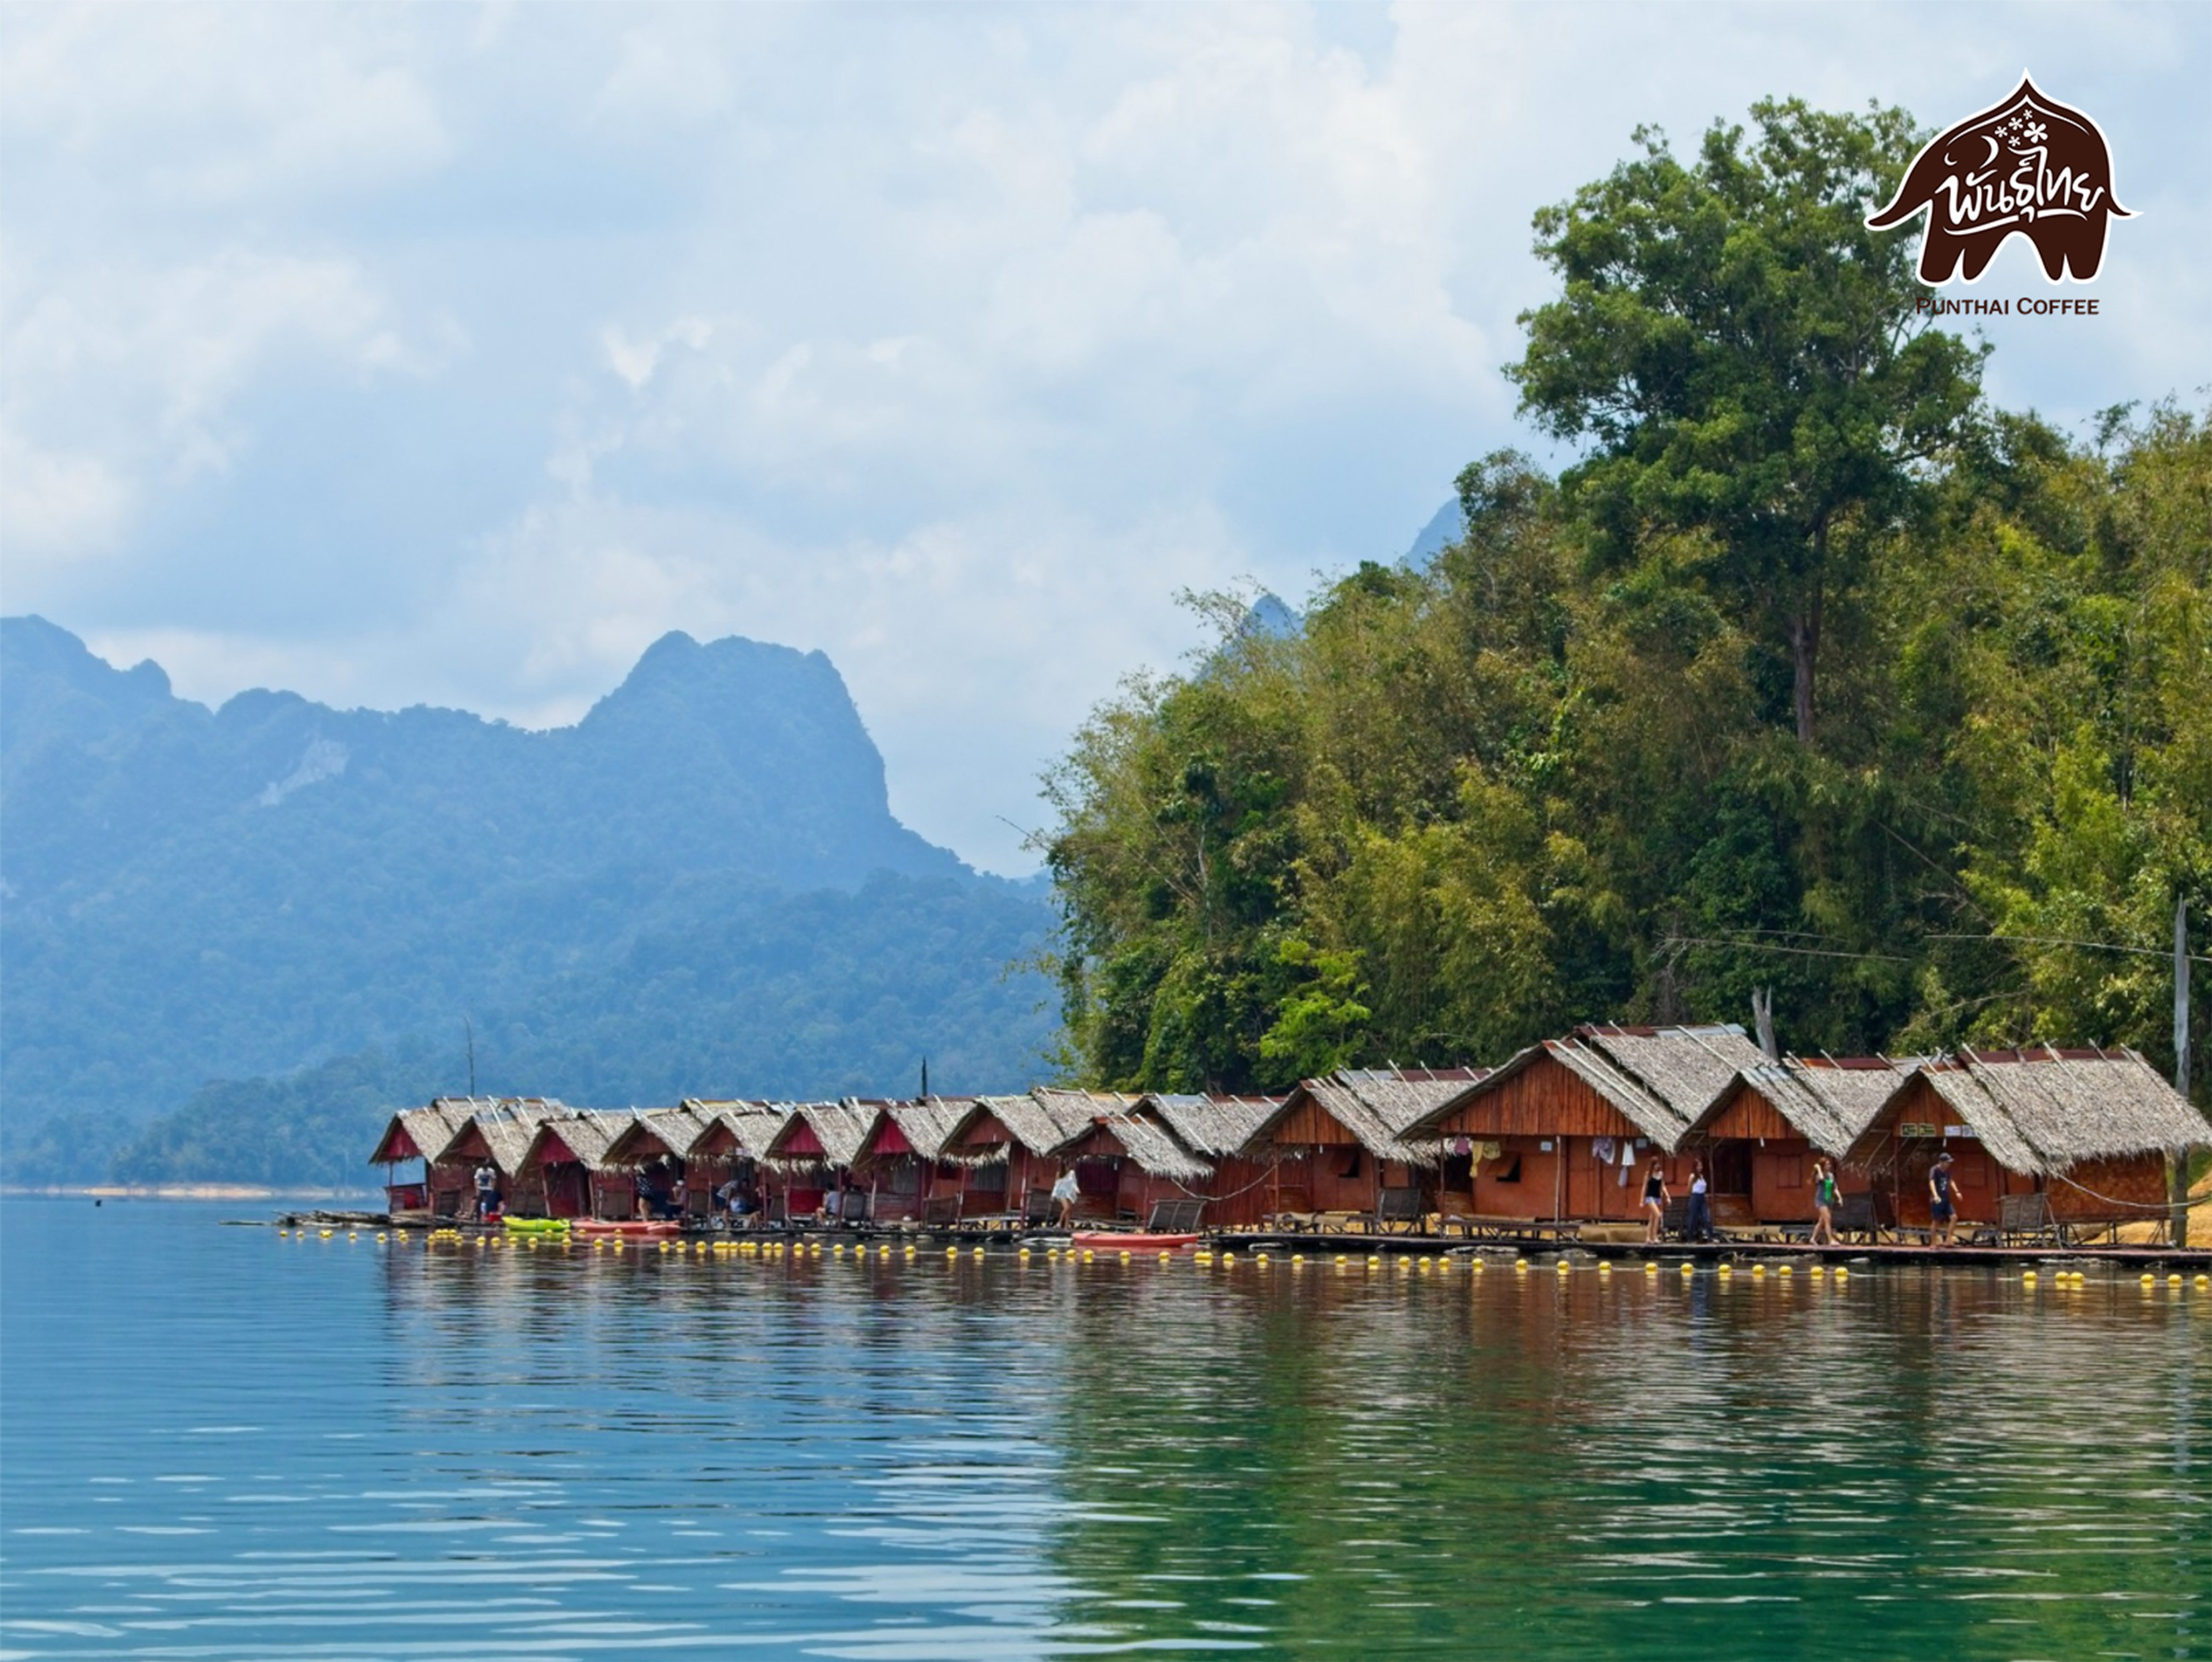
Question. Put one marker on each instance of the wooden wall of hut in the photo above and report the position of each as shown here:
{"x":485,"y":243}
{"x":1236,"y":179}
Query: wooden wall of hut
{"x":1240,"y":1192}
{"x":1546,"y":1099}
{"x":2125,"y":1190}
{"x":1562,"y":1177}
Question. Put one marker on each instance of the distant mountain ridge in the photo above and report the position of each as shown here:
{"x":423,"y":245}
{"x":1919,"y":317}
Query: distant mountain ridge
{"x":190,"y":894}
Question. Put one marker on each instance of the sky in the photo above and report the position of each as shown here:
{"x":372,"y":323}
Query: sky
{"x":451,"y":354}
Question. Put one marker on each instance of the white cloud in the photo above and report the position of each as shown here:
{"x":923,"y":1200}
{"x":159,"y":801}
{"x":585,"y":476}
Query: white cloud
{"x":398,"y":353}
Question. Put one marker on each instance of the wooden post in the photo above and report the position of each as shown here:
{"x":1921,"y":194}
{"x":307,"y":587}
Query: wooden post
{"x":2179,"y":1172}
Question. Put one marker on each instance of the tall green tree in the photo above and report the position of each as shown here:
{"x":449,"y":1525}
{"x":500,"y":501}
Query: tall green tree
{"x":1745,"y":358}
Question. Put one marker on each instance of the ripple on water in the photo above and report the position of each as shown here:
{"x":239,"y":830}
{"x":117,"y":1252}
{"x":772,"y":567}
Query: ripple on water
{"x":563,"y":1453}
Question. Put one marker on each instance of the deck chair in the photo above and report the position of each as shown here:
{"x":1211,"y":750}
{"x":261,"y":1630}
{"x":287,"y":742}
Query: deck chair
{"x":2027,"y":1218}
{"x":1176,"y":1217}
{"x":940,"y":1211}
{"x":1396,"y":1207}
{"x":1293,"y":1210}
{"x":1855,"y":1219}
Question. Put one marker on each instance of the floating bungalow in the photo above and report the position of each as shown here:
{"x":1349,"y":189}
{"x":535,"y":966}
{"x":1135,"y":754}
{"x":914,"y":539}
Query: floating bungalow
{"x":901,"y":1158}
{"x":415,"y":1134}
{"x":2089,"y":1132}
{"x":735,"y":1139}
{"x":810,"y":1160}
{"x":1219,"y":1130}
{"x":1340,"y":1145}
{"x":1761,"y":1135}
{"x":1126,"y":1163}
{"x":1004,"y":1147}
{"x":655,"y":1150}
{"x":566,"y":1164}
{"x":500,"y":1133}
{"x":1568,"y":1127}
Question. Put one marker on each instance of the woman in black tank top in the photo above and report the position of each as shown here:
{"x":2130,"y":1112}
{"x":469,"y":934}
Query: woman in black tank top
{"x":1655,"y":1200}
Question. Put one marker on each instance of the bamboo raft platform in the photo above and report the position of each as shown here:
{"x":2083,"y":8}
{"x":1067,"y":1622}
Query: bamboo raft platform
{"x":1544,"y":1241}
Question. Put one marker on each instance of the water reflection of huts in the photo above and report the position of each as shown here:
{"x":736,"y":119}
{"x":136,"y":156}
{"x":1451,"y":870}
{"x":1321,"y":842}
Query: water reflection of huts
{"x":1563,"y":1132}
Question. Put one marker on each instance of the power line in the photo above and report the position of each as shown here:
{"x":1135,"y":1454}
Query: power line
{"x":2061,"y":940}
{"x":1738,"y":944}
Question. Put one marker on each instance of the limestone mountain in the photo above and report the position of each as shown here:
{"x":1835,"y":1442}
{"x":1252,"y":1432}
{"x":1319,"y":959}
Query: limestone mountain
{"x":190,"y":894}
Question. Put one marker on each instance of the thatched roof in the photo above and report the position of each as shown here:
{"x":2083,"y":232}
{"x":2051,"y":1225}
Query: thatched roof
{"x":1041,"y":1120}
{"x":838,"y":1127}
{"x":1337,"y":1099}
{"x":1829,"y":1102}
{"x":504,"y":1125}
{"x":925,"y":1123}
{"x":1211,"y":1126}
{"x":1401,"y":1098}
{"x":753,"y":1126}
{"x":2042,"y":1111}
{"x":654,"y":1131}
{"x":1147,"y":1142}
{"x":587,"y":1133}
{"x":425,"y":1130}
{"x":1659,"y":1079}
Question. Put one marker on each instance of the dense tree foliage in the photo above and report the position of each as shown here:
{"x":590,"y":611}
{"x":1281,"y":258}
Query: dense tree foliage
{"x":1565,"y":772}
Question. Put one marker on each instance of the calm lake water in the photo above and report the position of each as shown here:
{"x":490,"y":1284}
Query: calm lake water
{"x":217,"y":1443}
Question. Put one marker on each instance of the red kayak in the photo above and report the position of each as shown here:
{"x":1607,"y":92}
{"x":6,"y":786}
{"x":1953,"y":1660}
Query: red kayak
{"x":1131,"y":1243}
{"x":590,"y":1227}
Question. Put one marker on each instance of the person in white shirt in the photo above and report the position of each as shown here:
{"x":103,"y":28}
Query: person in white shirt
{"x":1063,"y":1198}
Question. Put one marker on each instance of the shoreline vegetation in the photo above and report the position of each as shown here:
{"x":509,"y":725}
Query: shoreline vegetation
{"x":1815,"y":685}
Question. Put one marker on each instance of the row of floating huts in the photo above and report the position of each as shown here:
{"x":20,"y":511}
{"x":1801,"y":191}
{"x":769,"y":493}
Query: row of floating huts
{"x":1562,"y":1132}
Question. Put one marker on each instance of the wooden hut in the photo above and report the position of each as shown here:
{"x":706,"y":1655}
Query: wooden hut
{"x":1761,"y":1134}
{"x":567,"y":1162}
{"x":1567,"y":1128}
{"x":734,"y":1137}
{"x":2090,"y":1130}
{"x":1126,"y":1163}
{"x":498,"y":1131}
{"x":1219,"y":1130}
{"x":901,"y":1159}
{"x":1338,"y":1145}
{"x":810,"y":1160}
{"x":415,"y":1134}
{"x":1003,"y":1148}
{"x":655,"y":1150}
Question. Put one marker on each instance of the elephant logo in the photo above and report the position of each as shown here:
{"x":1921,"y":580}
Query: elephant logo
{"x":2028,"y":166}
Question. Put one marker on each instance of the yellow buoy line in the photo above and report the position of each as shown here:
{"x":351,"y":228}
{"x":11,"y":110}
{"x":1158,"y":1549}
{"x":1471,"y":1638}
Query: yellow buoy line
{"x":1224,"y":1256}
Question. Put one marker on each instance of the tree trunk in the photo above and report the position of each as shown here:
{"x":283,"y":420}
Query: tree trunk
{"x":1804,"y":647}
{"x":1805,"y":632}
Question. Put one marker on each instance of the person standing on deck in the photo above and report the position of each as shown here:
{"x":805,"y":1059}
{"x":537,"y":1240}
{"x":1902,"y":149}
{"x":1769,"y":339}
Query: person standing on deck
{"x":1942,"y":1201}
{"x":1063,"y":1198}
{"x":1824,"y":1203}
{"x":1655,"y":1199}
{"x":487,"y":1182}
{"x":1699,"y":1224}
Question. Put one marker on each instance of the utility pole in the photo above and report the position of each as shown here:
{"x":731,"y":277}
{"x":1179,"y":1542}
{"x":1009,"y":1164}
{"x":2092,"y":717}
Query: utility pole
{"x":2180,"y":1185}
{"x":470,"y":1028}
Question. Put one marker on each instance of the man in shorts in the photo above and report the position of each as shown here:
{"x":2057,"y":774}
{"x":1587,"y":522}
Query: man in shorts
{"x":1942,"y":1201}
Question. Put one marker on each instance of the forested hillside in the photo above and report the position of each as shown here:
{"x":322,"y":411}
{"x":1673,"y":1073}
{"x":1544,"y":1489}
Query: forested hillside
{"x":1813,"y":672}
{"x":700,"y":887}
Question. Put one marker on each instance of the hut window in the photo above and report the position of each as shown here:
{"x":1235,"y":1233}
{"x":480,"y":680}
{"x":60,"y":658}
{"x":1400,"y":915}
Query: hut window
{"x":903,"y":1178}
{"x":1351,"y":1165}
{"x":1510,"y":1172}
{"x":990,"y":1178}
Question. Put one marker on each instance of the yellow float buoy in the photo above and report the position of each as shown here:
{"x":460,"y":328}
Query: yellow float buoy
{"x":1650,"y":1268}
{"x":1689,"y":1269}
